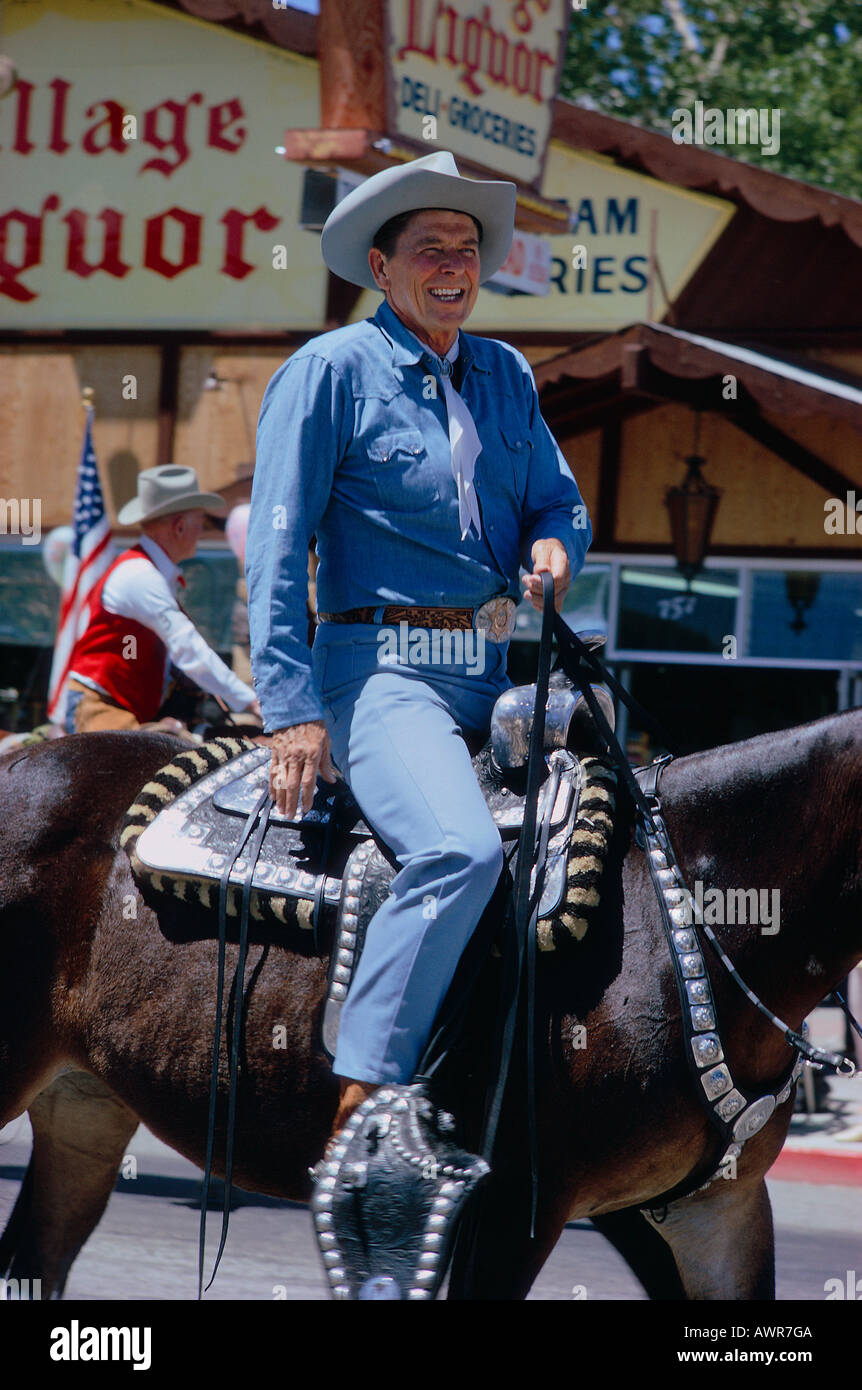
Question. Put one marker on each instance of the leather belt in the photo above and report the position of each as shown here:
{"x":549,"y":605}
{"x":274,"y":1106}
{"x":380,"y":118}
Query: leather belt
{"x":495,"y":617}
{"x":455,"y":619}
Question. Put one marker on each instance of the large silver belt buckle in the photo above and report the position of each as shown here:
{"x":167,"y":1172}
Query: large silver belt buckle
{"x":496,"y":618}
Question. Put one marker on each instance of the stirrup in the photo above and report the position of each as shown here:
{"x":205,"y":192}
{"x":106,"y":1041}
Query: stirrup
{"x":389,"y":1196}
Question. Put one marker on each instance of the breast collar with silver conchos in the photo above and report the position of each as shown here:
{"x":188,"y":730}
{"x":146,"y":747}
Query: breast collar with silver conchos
{"x":737,"y":1114}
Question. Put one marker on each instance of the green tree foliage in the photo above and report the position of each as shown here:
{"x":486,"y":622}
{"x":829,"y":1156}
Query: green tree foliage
{"x":644,"y":59}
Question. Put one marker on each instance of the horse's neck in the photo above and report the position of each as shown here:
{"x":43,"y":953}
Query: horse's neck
{"x":782,"y":815}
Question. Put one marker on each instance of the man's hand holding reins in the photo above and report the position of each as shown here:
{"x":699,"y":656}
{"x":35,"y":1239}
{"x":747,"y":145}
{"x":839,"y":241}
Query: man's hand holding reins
{"x":548,"y":556}
{"x":298,"y":753}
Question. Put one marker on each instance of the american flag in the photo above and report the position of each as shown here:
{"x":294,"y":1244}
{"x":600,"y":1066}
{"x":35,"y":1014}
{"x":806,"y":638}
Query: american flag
{"x":88,"y":558}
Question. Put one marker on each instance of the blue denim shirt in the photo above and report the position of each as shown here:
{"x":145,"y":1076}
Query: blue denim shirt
{"x":353,"y":446}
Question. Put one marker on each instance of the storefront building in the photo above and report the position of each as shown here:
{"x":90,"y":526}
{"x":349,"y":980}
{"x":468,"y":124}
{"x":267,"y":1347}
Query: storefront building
{"x":166,"y":169}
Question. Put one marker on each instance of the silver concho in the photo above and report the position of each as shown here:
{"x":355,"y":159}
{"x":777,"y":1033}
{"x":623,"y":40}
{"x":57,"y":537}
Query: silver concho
{"x":692,"y":965}
{"x":698,"y":991}
{"x":702,"y":1018}
{"x":380,"y":1286}
{"x":754,"y":1118}
{"x":496,"y":618}
{"x":716,"y":1082}
{"x":707,"y":1049}
{"x":727,"y":1107}
{"x":685,"y":941}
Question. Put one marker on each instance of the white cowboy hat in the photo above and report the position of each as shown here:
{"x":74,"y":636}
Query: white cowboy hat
{"x":164,"y":490}
{"x":430,"y":182}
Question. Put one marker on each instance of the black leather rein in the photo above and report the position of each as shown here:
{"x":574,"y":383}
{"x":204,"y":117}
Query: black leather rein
{"x":258,"y":816}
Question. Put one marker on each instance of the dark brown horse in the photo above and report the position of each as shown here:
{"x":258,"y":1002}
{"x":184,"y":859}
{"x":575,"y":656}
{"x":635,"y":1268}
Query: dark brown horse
{"x":95,"y":984}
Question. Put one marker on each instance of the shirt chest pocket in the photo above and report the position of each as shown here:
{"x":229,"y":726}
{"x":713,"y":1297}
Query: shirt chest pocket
{"x":402,"y":472}
{"x":518,"y":448}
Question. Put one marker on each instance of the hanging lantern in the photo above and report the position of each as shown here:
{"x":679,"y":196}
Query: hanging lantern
{"x":692,"y":506}
{"x":801,"y":587}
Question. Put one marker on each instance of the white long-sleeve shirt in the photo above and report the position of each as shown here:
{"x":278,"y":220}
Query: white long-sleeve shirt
{"x":147,"y":593}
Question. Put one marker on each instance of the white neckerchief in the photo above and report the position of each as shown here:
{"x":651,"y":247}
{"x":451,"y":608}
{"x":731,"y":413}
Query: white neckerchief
{"x":464,"y":443}
{"x":465,"y":446}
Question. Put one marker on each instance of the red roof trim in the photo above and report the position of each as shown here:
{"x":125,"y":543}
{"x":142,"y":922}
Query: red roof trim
{"x":775,"y":196}
{"x":289,"y":28}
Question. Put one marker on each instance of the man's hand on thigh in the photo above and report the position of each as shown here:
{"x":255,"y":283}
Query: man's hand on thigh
{"x":298,"y":753}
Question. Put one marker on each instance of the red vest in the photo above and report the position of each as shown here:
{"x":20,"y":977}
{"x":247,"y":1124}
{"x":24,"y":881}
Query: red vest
{"x":132,"y":673}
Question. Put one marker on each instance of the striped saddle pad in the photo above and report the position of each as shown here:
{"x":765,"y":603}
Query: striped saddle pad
{"x":183,"y":827}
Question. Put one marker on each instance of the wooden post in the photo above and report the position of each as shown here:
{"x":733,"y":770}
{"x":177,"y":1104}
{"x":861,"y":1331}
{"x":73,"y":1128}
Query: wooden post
{"x":653,"y":242}
{"x":350,"y":49}
{"x":168,"y":396}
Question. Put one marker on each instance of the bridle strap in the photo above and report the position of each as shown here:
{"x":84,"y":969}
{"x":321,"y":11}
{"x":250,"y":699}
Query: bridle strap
{"x":261,"y":808}
{"x":572,"y":649}
{"x":854,"y":1022}
{"x":523,"y":917}
{"x":818,"y":1056}
{"x":573,"y":657}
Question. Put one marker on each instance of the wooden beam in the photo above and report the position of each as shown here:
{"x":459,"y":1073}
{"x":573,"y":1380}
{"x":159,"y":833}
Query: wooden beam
{"x":352,"y":147}
{"x":568,"y":396}
{"x":595,"y":416}
{"x":634,"y":362}
{"x":825,"y":475}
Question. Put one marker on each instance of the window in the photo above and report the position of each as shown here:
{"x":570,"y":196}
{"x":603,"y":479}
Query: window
{"x":658,"y":612}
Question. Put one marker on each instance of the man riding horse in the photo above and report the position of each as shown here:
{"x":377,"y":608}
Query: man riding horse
{"x":418,"y":457}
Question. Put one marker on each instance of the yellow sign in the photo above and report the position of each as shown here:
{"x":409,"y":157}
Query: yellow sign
{"x":477,"y":78}
{"x":142,"y":187}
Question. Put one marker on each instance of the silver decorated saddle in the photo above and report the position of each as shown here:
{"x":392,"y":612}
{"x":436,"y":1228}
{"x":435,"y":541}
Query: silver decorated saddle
{"x":324,"y":873}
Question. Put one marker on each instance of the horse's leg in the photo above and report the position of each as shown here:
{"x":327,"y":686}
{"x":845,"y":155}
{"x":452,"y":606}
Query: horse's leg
{"x":495,"y":1262}
{"x":11,"y":1236}
{"x":495,"y":1258}
{"x":647,"y":1255}
{"x":80,"y":1133}
{"x":722,"y":1241}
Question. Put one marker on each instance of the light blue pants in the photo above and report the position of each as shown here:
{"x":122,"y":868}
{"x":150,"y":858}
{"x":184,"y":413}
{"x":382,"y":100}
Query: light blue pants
{"x":396,"y":739}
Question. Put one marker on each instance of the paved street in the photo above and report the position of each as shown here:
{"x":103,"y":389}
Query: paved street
{"x":146,"y":1244}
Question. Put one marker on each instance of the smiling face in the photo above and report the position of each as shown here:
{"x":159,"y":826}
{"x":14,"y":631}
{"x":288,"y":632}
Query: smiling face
{"x":432,"y":277}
